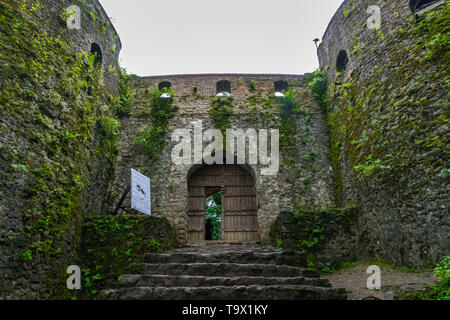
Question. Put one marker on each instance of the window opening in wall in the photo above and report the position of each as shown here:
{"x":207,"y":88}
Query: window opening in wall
{"x":164,"y":85}
{"x":223,"y":88}
{"x":97,"y":51}
{"x":423,"y":5}
{"x":342,"y":61}
{"x":281,"y":86}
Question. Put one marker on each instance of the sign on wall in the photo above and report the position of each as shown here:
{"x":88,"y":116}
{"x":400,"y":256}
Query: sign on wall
{"x":140,"y":192}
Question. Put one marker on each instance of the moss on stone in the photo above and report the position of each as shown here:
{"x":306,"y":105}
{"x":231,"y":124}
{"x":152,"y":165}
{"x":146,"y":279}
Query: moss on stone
{"x":309,"y":231}
{"x":379,"y":126}
{"x":220,"y":112}
{"x":112,"y":244}
{"x":153,"y":138}
{"x":53,"y":98}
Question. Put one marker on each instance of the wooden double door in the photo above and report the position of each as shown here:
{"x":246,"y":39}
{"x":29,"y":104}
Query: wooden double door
{"x":239,"y":206}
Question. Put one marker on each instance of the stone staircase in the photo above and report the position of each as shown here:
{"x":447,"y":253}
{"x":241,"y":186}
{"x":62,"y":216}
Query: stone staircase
{"x":223,"y":272}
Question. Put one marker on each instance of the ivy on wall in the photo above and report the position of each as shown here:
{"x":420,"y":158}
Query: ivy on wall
{"x":53,"y":100}
{"x":112,"y":244}
{"x":153,"y":138}
{"x":126,"y":95}
{"x":220,"y":112}
{"x":381,"y":126}
{"x":318,"y":86}
{"x":308,"y":231}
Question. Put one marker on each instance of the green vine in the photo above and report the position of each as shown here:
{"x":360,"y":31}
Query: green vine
{"x":126,"y":96}
{"x":308,"y":230}
{"x":288,"y":109}
{"x":318,"y":86}
{"x":221,"y":111}
{"x":57,"y":97}
{"x":111,"y":244}
{"x":153,"y":138}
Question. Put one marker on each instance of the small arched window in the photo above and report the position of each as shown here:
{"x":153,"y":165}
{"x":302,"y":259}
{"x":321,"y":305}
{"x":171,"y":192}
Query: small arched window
{"x":341,"y":61}
{"x":223,"y":88}
{"x":164,"y":85}
{"x":97,"y":51}
{"x":418,"y":5}
{"x":280,"y":86}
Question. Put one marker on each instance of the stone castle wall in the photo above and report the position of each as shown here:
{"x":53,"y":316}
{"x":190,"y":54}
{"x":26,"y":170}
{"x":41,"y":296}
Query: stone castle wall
{"x":54,"y":154}
{"x":384,"y":148}
{"x":388,"y":119}
{"x":309,"y":186}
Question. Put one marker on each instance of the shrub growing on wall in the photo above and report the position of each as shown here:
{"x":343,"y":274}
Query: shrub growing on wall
{"x":51,"y":99}
{"x":318,"y":87}
{"x":153,"y":137}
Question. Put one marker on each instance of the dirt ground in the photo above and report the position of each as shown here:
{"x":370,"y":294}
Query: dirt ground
{"x":393,"y":283}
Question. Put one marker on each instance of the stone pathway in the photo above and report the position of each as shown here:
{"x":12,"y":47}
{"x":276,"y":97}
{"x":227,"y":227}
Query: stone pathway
{"x":224,"y":272}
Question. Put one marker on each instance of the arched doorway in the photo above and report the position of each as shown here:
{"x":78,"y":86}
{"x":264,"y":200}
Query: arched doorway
{"x":239,"y":206}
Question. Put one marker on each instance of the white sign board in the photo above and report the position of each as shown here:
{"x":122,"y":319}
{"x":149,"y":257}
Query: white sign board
{"x":140,"y":192}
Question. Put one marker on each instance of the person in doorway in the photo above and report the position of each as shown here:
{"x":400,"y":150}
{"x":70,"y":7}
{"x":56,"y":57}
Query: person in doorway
{"x":208,"y":230}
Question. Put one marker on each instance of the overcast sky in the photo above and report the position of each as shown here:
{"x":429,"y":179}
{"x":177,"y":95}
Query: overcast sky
{"x":211,"y":36}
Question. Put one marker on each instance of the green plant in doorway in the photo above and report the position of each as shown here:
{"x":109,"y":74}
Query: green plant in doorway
{"x":214,"y":214}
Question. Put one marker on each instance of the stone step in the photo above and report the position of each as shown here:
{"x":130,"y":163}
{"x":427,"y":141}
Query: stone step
{"x":223,"y":243}
{"x":252,"y":292}
{"x":227,"y":245}
{"x":131,"y":280}
{"x":222,"y":269}
{"x":226,"y":249}
{"x":279,"y":258}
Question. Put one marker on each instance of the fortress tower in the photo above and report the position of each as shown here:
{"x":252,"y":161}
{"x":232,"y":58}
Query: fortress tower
{"x":73,"y":124}
{"x":388,"y":119}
